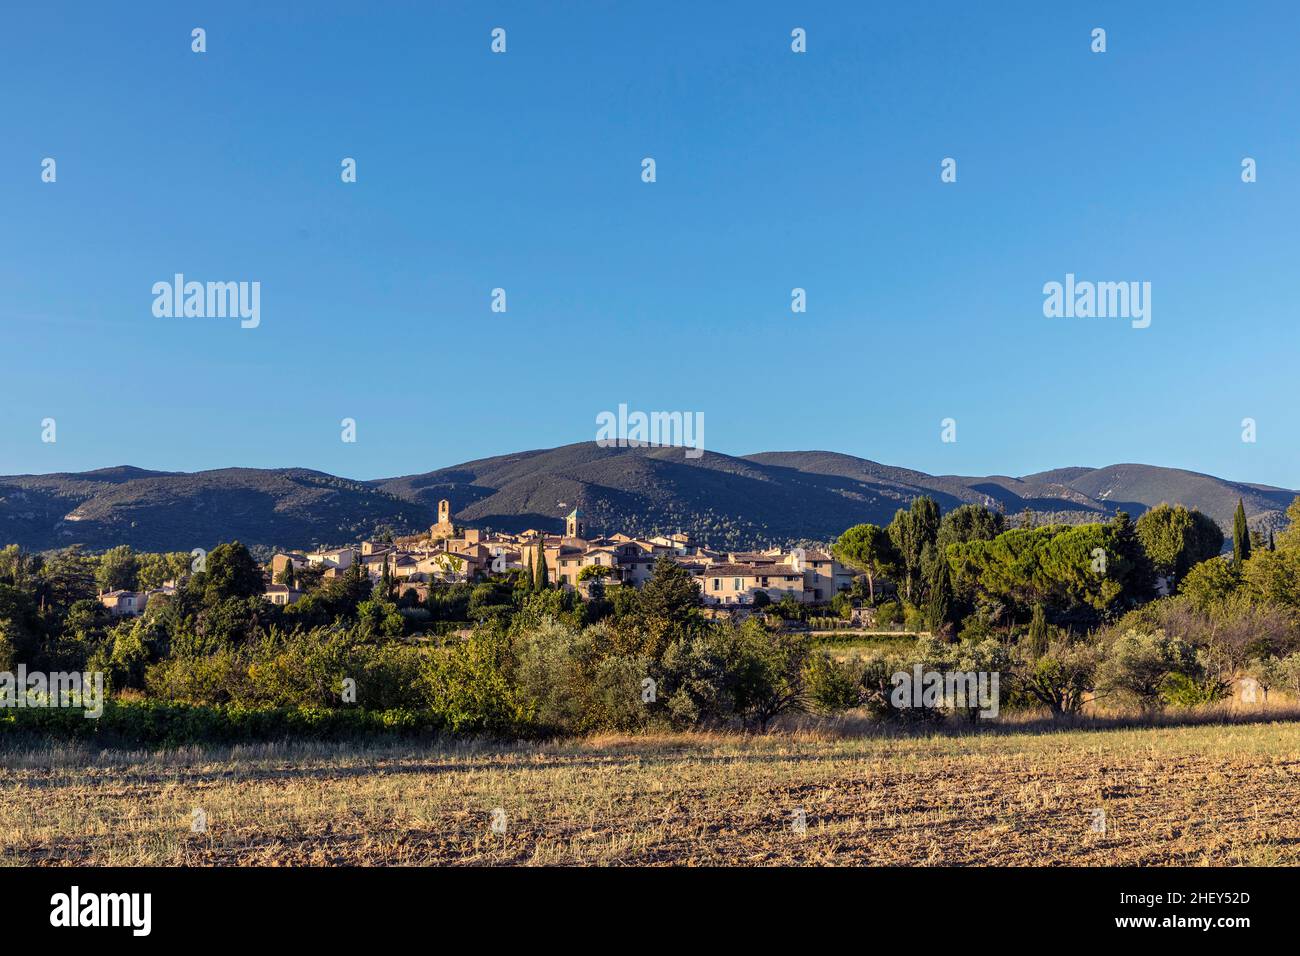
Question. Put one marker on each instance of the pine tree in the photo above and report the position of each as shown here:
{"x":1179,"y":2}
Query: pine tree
{"x":1240,"y":536}
{"x":530,"y":579}
{"x":667,"y":606}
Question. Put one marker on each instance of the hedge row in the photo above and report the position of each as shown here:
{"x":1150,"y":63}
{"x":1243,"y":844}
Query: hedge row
{"x":155,"y":723}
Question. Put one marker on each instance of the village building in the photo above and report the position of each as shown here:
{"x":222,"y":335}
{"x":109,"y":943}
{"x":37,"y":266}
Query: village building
{"x":337,"y":559}
{"x":726,"y":583}
{"x":281,"y":561}
{"x":124,"y":603}
{"x":447,"y":555}
{"x":444,"y":527}
{"x":282,"y":595}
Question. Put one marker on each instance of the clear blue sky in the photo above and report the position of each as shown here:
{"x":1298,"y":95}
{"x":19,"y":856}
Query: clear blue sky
{"x":775,"y":170}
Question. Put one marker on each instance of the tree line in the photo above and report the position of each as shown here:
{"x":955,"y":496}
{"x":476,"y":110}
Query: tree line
{"x":1144,"y":614}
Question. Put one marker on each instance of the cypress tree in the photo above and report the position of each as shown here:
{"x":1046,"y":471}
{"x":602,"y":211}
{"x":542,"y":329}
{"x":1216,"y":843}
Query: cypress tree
{"x":543,"y":579}
{"x":911,"y":531}
{"x":1038,"y":635}
{"x":1240,"y":536}
{"x":940,"y":609}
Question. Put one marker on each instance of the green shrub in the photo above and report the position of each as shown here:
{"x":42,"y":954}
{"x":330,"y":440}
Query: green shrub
{"x":832,"y":685}
{"x":469,"y":686}
{"x":1059,"y":678}
{"x":571,"y":681}
{"x":1182,"y":690}
{"x":1139,"y":666}
{"x":151,"y":723}
{"x":888,"y":614}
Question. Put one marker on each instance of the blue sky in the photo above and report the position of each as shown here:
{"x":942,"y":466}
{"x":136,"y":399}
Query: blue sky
{"x":775,"y":170}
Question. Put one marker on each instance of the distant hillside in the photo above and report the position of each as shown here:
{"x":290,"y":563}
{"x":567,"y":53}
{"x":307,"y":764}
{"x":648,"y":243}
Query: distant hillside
{"x":788,"y":496}
{"x":1013,"y":495}
{"x":170,"y":511}
{"x":1072,"y":494}
{"x":726,"y":501}
{"x":1138,"y":487}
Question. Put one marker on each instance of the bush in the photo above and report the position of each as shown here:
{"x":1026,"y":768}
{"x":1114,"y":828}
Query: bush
{"x":766,"y":669}
{"x":1139,"y":667}
{"x":151,"y":723}
{"x":832,"y":685}
{"x":842,"y":605}
{"x":1060,"y":678}
{"x":571,"y":683}
{"x":1210,"y":582}
{"x":878,"y":684}
{"x":1288,"y":674}
{"x":1184,"y":691}
{"x":931,"y":655}
{"x":791,"y":609}
{"x":975,"y":628}
{"x":695,"y":687}
{"x":469,"y":686}
{"x":888,"y":614}
{"x":302,"y":669}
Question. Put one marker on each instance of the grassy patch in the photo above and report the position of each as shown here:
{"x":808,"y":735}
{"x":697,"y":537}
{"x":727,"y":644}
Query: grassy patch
{"x":861,"y":643}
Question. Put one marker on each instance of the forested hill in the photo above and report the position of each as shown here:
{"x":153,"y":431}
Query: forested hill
{"x":726,"y":501}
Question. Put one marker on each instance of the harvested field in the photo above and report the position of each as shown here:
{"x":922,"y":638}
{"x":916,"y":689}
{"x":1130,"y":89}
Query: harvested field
{"x":1212,"y":794}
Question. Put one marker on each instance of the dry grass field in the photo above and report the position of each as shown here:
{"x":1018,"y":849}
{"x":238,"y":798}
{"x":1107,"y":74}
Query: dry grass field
{"x":1214,"y":794}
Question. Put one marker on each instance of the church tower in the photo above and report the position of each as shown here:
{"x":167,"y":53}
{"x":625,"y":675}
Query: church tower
{"x":443,"y":529}
{"x":574,"y":526}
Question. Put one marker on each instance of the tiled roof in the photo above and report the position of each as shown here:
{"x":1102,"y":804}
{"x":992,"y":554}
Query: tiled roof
{"x":753,"y":571}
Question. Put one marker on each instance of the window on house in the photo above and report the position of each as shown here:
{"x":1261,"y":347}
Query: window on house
{"x":717,"y":584}
{"x":735,"y":584}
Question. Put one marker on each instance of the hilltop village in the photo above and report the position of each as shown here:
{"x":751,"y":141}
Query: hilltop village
{"x":447,"y":554}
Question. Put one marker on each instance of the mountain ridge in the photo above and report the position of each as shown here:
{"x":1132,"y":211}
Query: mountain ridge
{"x":728,"y":501}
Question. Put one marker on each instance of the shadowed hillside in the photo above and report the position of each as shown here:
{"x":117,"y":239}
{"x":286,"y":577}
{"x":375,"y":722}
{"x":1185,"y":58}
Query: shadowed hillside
{"x":725,"y":501}
{"x":165,"y":511}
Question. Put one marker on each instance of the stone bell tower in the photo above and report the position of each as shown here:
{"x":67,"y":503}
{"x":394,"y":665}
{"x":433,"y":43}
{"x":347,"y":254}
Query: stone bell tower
{"x":574,"y":526}
{"x":443,"y":529}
